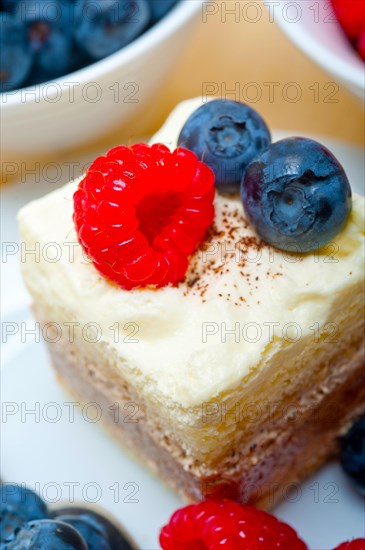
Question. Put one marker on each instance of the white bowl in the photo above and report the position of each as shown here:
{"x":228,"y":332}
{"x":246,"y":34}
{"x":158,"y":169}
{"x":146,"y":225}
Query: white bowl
{"x":313,"y":27}
{"x":71,"y":110}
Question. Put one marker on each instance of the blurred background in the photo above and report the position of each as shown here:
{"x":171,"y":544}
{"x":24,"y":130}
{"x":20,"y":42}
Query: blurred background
{"x":230,"y":54}
{"x":239,"y":54}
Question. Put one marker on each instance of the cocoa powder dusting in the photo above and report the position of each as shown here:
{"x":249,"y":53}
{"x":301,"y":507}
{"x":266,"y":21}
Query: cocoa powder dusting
{"x":223,"y":249}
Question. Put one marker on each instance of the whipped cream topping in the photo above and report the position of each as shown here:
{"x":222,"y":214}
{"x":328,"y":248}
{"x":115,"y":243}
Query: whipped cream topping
{"x":240,"y":301}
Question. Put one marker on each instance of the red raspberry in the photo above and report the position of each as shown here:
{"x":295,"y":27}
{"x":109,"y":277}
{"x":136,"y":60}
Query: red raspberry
{"x":356,"y":544}
{"x":224,"y":524}
{"x":351,"y":16}
{"x":360,"y":45}
{"x":140,"y":212}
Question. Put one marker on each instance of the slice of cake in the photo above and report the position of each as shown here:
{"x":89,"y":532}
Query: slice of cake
{"x":233,"y":374}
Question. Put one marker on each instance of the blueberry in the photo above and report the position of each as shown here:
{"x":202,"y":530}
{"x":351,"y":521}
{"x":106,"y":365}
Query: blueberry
{"x":105,"y":26}
{"x":25,"y":502}
{"x":49,"y":31}
{"x":109,"y":531}
{"x":226,"y":135}
{"x":8,"y":5}
{"x":89,"y":530}
{"x":16,"y":59}
{"x":352,"y":453}
{"x":46,"y":534}
{"x":159,"y":8}
{"x":10,"y":521}
{"x":296,"y":195}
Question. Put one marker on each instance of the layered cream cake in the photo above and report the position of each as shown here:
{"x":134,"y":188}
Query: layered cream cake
{"x":235,"y":382}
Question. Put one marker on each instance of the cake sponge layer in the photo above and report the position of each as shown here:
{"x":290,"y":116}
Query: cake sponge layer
{"x":261,"y":464}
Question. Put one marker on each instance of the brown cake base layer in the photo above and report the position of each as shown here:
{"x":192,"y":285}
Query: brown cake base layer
{"x":260,"y":471}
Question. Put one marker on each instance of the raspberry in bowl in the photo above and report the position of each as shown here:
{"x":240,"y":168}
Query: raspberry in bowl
{"x":315,"y":29}
{"x":351,"y":16}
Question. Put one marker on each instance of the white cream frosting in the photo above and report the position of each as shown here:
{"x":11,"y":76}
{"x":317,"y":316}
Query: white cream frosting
{"x":184,"y":350}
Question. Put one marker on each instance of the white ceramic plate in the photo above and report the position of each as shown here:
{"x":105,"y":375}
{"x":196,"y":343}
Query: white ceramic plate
{"x":61,"y":451}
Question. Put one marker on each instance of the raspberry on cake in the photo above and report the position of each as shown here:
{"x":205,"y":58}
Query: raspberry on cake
{"x":140,"y":211}
{"x":247,"y":369}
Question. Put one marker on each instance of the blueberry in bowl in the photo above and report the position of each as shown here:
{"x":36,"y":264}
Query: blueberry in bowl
{"x":159,"y":8}
{"x":75,"y":82}
{"x":49,"y":29}
{"x":49,"y":38}
{"x":104,"y":27}
{"x":16,"y":58}
{"x":296,"y":195}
